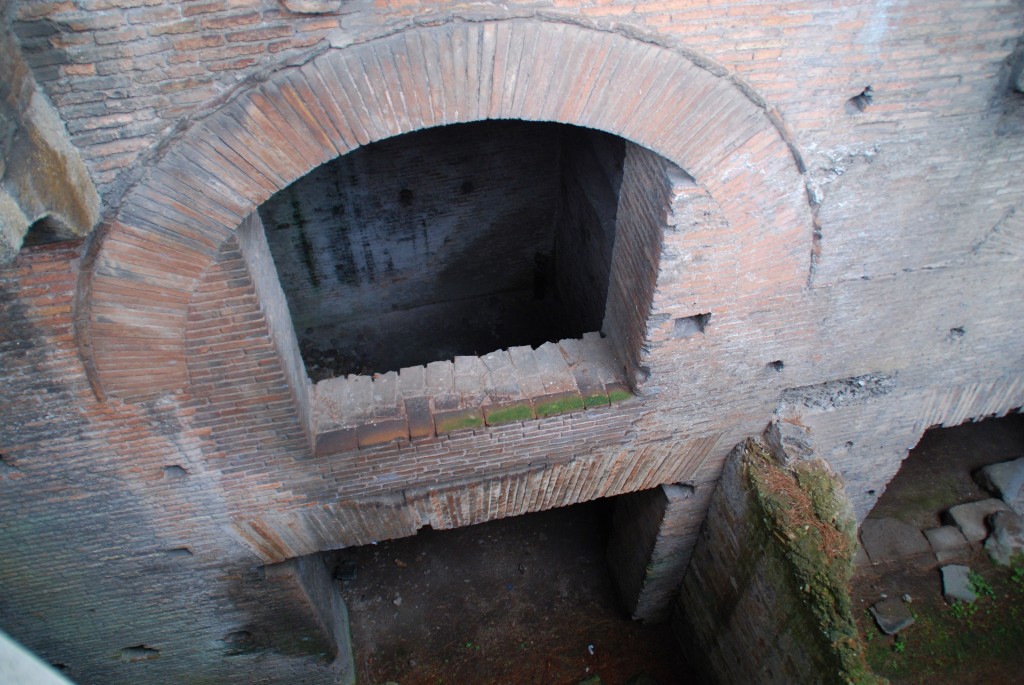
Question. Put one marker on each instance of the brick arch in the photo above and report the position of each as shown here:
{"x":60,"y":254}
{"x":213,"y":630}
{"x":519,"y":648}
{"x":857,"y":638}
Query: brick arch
{"x":169,"y":228}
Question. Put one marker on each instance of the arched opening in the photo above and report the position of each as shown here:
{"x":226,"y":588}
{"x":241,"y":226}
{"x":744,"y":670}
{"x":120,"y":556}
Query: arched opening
{"x":458,"y":240}
{"x":530,"y":598}
{"x":182,"y":217}
{"x":46,"y":230}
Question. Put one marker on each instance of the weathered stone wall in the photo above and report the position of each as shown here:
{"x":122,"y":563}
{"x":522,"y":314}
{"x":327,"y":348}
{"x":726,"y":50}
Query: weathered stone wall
{"x":764,"y":599}
{"x":43,"y":184}
{"x":808,"y":240}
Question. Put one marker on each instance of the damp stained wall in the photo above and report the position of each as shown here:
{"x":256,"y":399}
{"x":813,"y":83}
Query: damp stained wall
{"x":451,"y":241}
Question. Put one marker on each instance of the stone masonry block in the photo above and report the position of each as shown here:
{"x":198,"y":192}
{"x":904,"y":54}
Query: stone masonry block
{"x":412,"y":381}
{"x":470,"y":378}
{"x":558,"y":403}
{"x":379,"y":433}
{"x":523,"y":360}
{"x":508,"y":412}
{"x":385,"y":396}
{"x":458,"y":419}
{"x":336,"y":442}
{"x":421,"y":421}
{"x":618,"y":391}
{"x":440,"y":378}
{"x":970,"y":517}
{"x":591,"y":389}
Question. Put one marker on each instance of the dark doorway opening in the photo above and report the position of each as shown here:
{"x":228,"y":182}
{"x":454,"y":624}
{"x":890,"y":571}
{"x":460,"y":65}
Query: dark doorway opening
{"x":521,"y":600}
{"x":910,"y":536}
{"x":458,"y":240}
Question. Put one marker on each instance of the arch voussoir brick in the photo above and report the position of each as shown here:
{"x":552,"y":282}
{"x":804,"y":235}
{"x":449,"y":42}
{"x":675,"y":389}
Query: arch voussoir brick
{"x":172,"y":224}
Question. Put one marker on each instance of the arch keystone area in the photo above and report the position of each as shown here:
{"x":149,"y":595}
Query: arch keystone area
{"x":167,"y":232}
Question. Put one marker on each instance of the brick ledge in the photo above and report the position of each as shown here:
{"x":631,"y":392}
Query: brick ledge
{"x":508,"y":386}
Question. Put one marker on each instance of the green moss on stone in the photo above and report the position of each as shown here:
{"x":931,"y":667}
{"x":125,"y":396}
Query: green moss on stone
{"x":596,"y":400}
{"x":619,"y":395}
{"x":815,"y":570}
{"x":511,"y":414}
{"x":563,"y":405}
{"x":457,"y":422}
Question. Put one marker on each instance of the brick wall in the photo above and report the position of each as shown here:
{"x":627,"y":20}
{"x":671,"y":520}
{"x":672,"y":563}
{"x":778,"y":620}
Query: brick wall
{"x":805,"y":244}
{"x":585,"y":225}
{"x":653,"y":535}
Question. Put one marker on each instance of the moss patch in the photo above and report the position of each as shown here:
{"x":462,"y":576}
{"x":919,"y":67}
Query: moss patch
{"x":456,"y":421}
{"x":619,"y":395}
{"x":510,"y":414}
{"x":562,"y":405}
{"x":805,"y":511}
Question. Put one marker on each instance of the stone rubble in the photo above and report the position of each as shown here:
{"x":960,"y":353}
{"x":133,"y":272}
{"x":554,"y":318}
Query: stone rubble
{"x":1005,"y":480}
{"x":892,"y":615}
{"x":1007,"y":539}
{"x":956,"y":583}
{"x":970,"y":517}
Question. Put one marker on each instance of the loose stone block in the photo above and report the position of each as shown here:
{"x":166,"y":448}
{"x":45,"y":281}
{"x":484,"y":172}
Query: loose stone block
{"x":1006,"y":543}
{"x":956,"y":583}
{"x":888,"y":539}
{"x":947,"y":543}
{"x":892,"y":615}
{"x":1006,"y":480}
{"x":970,"y":517}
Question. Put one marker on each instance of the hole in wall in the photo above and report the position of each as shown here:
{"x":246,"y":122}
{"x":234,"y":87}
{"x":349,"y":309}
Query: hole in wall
{"x":46,"y":231}
{"x":777,"y":365}
{"x":458,"y":240}
{"x":689,"y":326}
{"x":174,"y":471}
{"x":957,"y":332}
{"x":860,"y":102}
{"x":139,"y":652}
{"x":7,"y":464}
{"x":239,"y":642}
{"x":178,"y":552}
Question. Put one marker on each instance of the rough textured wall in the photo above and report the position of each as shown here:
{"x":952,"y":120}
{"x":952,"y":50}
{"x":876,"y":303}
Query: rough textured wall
{"x":125,"y":495}
{"x":764,"y":599}
{"x":43,"y":183}
{"x":911,"y":282}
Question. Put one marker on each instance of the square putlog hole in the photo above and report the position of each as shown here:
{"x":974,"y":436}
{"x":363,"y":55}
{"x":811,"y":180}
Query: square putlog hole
{"x":689,"y":326}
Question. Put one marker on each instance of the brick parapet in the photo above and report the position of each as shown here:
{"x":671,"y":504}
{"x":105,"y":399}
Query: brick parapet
{"x":499,"y":388}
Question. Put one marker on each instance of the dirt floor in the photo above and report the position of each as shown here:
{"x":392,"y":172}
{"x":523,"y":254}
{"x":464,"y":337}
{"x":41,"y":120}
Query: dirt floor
{"x":980,"y":644}
{"x":519,"y":601}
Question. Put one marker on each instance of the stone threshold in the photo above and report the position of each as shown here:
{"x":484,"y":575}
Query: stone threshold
{"x":508,"y":386}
